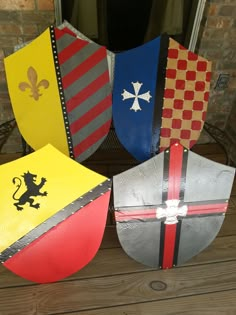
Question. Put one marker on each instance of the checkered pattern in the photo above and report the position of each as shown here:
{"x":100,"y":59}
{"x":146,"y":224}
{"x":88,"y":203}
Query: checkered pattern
{"x":186,"y":96}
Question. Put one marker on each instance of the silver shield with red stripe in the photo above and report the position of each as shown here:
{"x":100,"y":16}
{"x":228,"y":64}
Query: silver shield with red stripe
{"x":171,"y":207}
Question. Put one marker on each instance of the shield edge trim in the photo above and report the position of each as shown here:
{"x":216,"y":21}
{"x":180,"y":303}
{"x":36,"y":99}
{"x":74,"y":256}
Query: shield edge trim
{"x":61,"y":92}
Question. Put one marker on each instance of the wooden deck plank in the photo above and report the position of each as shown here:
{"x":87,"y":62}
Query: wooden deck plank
{"x":118,"y":290}
{"x":233,"y":192}
{"x":208,"y":304}
{"x":232,"y":206}
{"x":5,"y":158}
{"x":228,"y":226}
{"x":114,"y":261}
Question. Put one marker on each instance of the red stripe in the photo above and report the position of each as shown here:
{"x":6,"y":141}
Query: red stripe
{"x":71,"y":50}
{"x":92,"y":138}
{"x":125,"y":215}
{"x":207,"y":209}
{"x":84,"y":67}
{"x":175,"y":170}
{"x":68,"y":31}
{"x":90,"y":115}
{"x":169,"y":246}
{"x":58,"y":33}
{"x":88,"y":91}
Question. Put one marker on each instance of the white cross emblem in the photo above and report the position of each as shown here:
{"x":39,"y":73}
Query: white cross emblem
{"x":171,"y":211}
{"x":145,"y":96}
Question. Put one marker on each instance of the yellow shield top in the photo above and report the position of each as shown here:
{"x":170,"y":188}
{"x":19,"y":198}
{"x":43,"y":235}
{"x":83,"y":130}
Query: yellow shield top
{"x":34,"y":93}
{"x":35,"y":187}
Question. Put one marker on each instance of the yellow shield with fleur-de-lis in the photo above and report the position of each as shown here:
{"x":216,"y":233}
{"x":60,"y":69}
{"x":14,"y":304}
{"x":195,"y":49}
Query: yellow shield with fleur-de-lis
{"x":35,"y":98}
{"x":61,"y":93}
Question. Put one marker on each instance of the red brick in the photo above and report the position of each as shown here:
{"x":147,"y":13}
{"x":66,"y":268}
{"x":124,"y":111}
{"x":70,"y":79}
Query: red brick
{"x":2,"y":67}
{"x":228,"y":10}
{"x":12,"y":5}
{"x":30,"y":29}
{"x":45,"y":5}
{"x":8,"y":41}
{"x":10,"y":29}
{"x":2,"y":76}
{"x":37,"y":17}
{"x":213,"y":9}
{"x":1,"y":54}
{"x":232,"y":83}
{"x":219,"y":22}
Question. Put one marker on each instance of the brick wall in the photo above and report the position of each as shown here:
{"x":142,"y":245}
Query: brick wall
{"x":20,"y":21}
{"x":217,"y":42}
{"x":231,"y":133}
{"x":23,"y":20}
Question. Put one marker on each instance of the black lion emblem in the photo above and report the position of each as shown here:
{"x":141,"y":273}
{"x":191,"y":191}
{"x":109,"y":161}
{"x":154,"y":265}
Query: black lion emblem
{"x":33,"y":190}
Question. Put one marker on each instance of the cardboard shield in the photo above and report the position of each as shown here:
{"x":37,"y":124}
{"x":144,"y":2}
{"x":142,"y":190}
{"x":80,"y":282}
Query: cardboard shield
{"x":60,"y":92}
{"x":171,"y":207}
{"x":160,"y":97}
{"x":52,"y":215}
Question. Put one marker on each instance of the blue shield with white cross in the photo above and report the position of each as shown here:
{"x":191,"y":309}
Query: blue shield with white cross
{"x":160,"y":97}
{"x":134,"y":96}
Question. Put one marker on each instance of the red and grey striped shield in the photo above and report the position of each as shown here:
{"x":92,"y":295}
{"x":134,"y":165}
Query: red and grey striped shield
{"x":171,"y":207}
{"x":66,"y":26}
{"x":160,"y":97}
{"x":53,"y":213}
{"x":61,"y":93}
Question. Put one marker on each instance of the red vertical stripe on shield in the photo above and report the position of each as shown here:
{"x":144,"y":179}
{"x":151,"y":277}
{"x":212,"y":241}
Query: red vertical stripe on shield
{"x":175,"y":170}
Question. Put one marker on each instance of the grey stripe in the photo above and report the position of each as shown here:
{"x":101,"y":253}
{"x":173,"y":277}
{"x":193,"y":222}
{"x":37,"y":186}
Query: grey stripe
{"x":87,"y":78}
{"x":64,"y":42}
{"x":77,"y":58}
{"x":89,"y":103}
{"x":58,"y":217}
{"x":91,"y":127}
{"x":83,"y":156}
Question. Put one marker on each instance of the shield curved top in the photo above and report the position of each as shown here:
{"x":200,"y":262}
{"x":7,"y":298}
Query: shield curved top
{"x":54,"y":212}
{"x":61,"y":93}
{"x":110,"y":55}
{"x":171,"y":207}
{"x":160,"y":96}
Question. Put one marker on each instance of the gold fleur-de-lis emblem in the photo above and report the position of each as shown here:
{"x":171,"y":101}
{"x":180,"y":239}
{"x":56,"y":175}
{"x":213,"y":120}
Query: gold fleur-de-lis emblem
{"x":33,"y":84}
